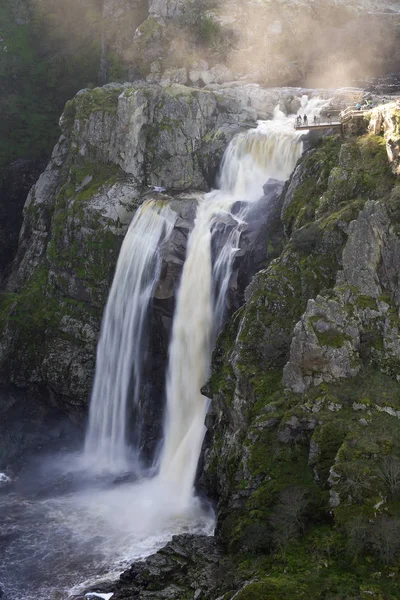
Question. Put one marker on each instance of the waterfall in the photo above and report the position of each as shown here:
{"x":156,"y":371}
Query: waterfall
{"x":253,"y":157}
{"x":107,"y":526}
{"x":269,"y":151}
{"x":121,"y":346}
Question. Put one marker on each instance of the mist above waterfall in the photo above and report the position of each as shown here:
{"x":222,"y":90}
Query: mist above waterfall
{"x":316,"y":44}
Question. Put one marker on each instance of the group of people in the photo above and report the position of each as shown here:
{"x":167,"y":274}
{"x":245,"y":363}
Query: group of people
{"x":303,"y":121}
{"x":365,"y":106}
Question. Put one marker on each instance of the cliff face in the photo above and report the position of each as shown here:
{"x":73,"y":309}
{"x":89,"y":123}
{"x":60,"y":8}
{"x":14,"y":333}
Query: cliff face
{"x":48,"y":51}
{"x":305,"y":384}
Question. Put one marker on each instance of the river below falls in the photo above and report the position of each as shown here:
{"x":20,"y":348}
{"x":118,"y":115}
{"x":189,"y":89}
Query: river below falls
{"x":60,"y":532}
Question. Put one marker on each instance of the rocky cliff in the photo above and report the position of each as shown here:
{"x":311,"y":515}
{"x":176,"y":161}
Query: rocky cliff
{"x":117,"y":143}
{"x":50,"y":50}
{"x":303,"y":452}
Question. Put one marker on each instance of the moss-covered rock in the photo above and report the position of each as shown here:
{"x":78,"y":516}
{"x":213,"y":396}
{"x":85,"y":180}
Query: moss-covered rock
{"x":306,"y":468}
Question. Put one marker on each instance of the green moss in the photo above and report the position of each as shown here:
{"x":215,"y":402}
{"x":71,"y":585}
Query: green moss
{"x":328,"y":438}
{"x":332,"y":338}
{"x":33,"y":316}
{"x":275,"y":589}
{"x":69,"y":114}
{"x":204,"y":30}
{"x":317,"y":166}
{"x":366,"y":302}
{"x":117,"y":69}
{"x":103,"y":99}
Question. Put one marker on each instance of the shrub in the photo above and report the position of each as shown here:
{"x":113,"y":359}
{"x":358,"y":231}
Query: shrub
{"x":288,"y":518}
{"x":204,"y":29}
{"x":389,"y":472}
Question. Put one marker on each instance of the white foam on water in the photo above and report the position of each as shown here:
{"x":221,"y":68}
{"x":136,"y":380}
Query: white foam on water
{"x":4,"y":479}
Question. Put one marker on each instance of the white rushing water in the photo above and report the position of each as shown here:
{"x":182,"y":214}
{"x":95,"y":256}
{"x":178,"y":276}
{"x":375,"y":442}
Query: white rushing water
{"x":121,"y":349}
{"x":253,"y":157}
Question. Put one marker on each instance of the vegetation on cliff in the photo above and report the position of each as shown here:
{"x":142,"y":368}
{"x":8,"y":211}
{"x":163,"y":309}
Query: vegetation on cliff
{"x":306,"y":460}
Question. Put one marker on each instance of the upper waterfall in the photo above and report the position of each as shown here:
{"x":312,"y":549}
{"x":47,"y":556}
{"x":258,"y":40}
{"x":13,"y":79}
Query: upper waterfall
{"x":251,"y":159}
{"x":269,"y":151}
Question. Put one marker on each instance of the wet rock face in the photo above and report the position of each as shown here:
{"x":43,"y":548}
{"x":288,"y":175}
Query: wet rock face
{"x":189,"y":566}
{"x":262,"y":223}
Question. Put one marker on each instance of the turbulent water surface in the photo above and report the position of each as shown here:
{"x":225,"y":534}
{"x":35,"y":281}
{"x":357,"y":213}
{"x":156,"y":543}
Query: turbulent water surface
{"x":71,"y":519}
{"x":49,"y":546}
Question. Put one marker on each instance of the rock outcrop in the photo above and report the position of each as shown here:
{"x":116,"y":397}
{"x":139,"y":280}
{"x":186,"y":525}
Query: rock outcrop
{"x":17,"y":180}
{"x":386,"y":119}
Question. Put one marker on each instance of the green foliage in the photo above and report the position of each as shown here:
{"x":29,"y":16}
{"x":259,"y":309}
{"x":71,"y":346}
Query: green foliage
{"x":33,"y":318}
{"x":332,"y":338}
{"x":204,"y":29}
{"x":102,"y":99}
{"x":90,"y":257}
{"x":117,"y":70}
{"x":336,"y":182}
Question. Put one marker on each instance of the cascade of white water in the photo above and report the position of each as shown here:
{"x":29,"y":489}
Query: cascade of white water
{"x":269,"y":151}
{"x":120,"y":349}
{"x":253,"y":157}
